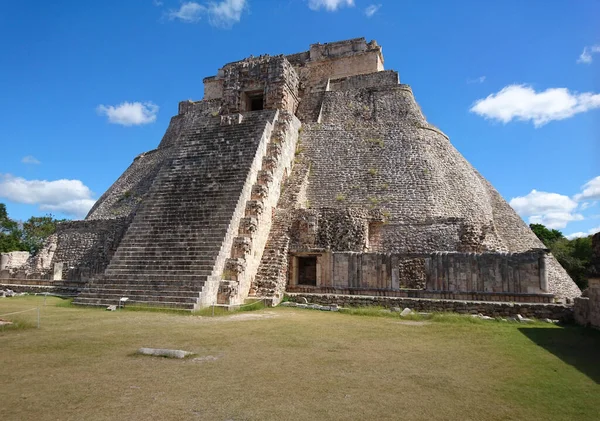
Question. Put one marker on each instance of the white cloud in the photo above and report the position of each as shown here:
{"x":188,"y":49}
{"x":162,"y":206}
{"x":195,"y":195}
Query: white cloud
{"x":551,"y":209}
{"x":157,"y":3}
{"x":586,"y":56}
{"x":70,"y":197}
{"x":583,"y":234}
{"x":29,"y":159}
{"x":329,"y":5}
{"x":189,"y":12}
{"x":590,"y":190}
{"x":130,"y":113}
{"x":479,"y":79}
{"x":587,"y":205}
{"x":372,"y":9}
{"x":522,"y":102}
{"x":221,"y":14}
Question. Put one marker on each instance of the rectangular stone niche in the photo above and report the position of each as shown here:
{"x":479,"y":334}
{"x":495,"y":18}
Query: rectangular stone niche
{"x":304,"y":270}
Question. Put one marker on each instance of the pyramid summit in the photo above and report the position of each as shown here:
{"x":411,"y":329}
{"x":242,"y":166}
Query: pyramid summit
{"x":310,"y":173}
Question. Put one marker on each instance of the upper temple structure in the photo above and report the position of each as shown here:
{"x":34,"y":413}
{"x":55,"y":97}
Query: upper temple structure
{"x":314,"y":172}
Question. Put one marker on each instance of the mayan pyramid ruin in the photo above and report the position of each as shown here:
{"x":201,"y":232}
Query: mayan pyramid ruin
{"x":313,"y":172}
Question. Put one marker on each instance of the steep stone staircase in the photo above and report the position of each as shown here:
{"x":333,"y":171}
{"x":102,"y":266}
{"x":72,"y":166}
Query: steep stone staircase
{"x":183,"y":232}
{"x":256,"y":226}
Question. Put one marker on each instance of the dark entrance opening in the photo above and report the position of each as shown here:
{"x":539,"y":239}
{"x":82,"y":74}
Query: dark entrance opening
{"x":256,"y":103}
{"x":307,"y":271}
{"x":254,"y":100}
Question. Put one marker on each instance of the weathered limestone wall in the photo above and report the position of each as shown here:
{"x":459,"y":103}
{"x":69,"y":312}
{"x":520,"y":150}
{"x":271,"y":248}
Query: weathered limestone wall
{"x":86,"y":247}
{"x":370,"y":80}
{"x":374,"y":150}
{"x":273,"y":77}
{"x":336,"y":60}
{"x":13,"y":260}
{"x":518,"y":273}
{"x":213,"y":88}
{"x":493,"y":309}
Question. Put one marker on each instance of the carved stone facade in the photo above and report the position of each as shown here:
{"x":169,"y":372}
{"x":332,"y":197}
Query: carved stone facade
{"x":313,"y":171}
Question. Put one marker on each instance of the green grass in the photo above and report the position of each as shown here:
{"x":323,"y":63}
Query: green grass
{"x":293,"y":364}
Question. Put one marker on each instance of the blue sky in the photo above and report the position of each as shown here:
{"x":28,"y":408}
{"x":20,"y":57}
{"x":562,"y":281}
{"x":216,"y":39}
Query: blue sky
{"x":85,"y":86}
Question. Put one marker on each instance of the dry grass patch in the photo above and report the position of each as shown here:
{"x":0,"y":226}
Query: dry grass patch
{"x":284,"y":363}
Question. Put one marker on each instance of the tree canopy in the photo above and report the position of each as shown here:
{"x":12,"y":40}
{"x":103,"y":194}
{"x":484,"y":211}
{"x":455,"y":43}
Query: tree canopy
{"x":574,"y":255}
{"x":28,"y":236}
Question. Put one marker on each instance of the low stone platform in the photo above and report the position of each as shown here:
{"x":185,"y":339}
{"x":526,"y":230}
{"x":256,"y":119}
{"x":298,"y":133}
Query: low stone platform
{"x":419,"y":293}
{"x":40,"y":286}
{"x":561,"y":312}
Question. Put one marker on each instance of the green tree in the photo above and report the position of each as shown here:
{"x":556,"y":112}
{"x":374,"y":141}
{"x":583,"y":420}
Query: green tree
{"x":36,"y":230}
{"x":546,"y":236}
{"x":10,"y":233}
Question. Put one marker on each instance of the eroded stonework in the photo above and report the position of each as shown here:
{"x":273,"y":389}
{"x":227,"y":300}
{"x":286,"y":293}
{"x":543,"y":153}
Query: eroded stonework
{"x":316,"y":172}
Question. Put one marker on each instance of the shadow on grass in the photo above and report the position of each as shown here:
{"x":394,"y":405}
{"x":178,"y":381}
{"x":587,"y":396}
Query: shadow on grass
{"x":576,"y":346}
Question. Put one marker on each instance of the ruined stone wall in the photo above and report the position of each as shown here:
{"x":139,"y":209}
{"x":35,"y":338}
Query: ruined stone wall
{"x":520,"y":273}
{"x":213,"y":88}
{"x":13,"y":260}
{"x":493,"y":309}
{"x":76,"y":251}
{"x":86,"y":247}
{"x":274,"y":77}
{"x":370,"y":80}
{"x":336,"y":60}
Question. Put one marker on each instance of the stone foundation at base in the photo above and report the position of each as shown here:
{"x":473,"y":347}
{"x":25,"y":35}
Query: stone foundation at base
{"x":435,"y":295}
{"x":40,"y":286}
{"x":587,"y":309}
{"x":561,"y":312}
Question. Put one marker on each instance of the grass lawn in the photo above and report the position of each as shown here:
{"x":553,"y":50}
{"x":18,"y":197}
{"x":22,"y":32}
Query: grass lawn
{"x":291,"y":364}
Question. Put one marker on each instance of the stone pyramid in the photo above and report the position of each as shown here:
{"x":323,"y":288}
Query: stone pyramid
{"x":315,"y":173}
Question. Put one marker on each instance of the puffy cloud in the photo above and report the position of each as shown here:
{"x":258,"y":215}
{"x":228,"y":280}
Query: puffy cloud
{"x":551,"y":209}
{"x":522,"y":102}
{"x":221,"y":14}
{"x":189,"y":12}
{"x":329,"y":5}
{"x":372,"y":9}
{"x":590,"y":190}
{"x":70,"y":197}
{"x":29,"y":159}
{"x":130,"y":113}
{"x":583,"y":234}
{"x":586,"y":56}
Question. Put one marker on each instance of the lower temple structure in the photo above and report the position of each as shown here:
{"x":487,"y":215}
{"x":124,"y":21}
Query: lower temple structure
{"x":312,"y":173}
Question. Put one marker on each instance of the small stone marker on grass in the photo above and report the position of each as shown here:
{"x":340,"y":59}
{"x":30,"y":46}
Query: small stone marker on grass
{"x":167,"y":353}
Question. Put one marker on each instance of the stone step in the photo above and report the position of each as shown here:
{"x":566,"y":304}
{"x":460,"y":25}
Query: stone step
{"x":167,"y":289}
{"x":118,"y":277}
{"x":103,"y":302}
{"x":167,"y":267}
{"x":142,"y":297}
{"x":150,"y":272}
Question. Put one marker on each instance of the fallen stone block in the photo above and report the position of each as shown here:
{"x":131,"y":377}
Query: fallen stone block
{"x":406,"y":312}
{"x":166,"y":353}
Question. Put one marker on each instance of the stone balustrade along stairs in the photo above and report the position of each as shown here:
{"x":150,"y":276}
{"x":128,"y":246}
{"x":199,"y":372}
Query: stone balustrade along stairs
{"x":255,"y":228}
{"x":183,"y":231}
